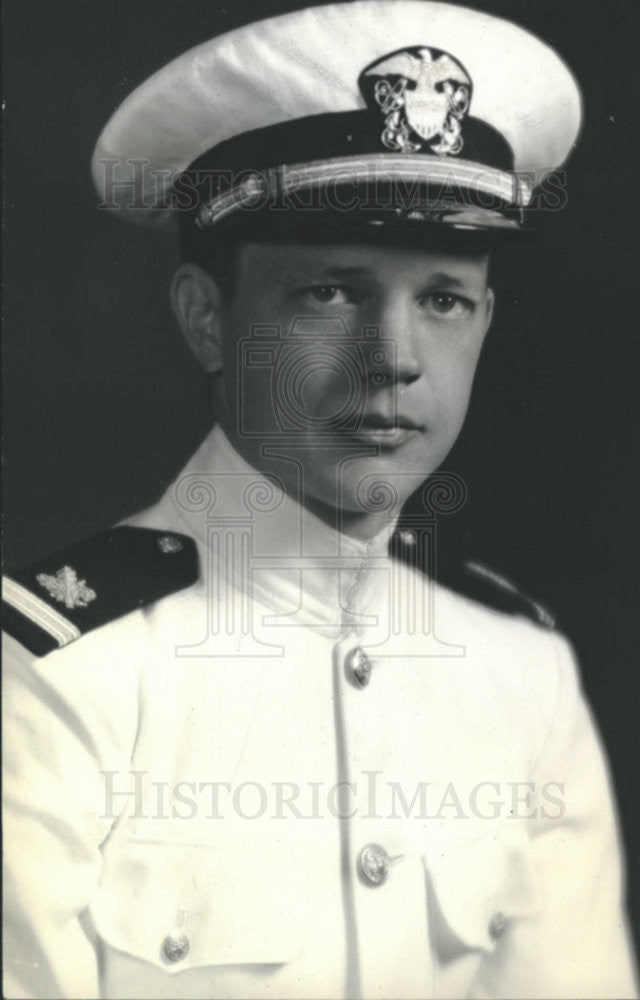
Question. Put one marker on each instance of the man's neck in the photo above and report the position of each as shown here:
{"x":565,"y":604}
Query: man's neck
{"x":359,"y":524}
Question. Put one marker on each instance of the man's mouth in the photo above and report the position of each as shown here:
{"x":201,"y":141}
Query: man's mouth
{"x":386,"y":431}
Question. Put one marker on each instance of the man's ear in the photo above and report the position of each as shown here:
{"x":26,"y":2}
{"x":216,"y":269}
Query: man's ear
{"x":198,"y":305}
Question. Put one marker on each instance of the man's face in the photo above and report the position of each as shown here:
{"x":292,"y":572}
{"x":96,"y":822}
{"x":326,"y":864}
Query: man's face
{"x":350,"y":364}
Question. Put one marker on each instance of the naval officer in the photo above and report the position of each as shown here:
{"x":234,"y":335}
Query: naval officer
{"x":251,"y":749}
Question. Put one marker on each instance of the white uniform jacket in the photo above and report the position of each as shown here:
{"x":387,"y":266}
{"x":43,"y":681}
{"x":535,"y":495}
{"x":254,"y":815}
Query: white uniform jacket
{"x":311,"y":774}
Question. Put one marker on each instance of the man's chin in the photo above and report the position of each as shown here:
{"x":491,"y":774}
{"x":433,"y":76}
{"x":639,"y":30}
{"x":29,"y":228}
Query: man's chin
{"x":358,"y":477}
{"x":365,"y":484}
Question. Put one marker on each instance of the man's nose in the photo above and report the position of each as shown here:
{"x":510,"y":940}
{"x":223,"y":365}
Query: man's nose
{"x":396,"y":356}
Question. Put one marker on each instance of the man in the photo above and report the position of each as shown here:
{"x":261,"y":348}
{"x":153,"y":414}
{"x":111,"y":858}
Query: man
{"x":248,"y":753}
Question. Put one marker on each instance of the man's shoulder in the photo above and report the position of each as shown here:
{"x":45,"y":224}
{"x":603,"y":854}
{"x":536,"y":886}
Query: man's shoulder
{"x":492,"y":589}
{"x":507,"y":634}
{"x":87,"y":585}
{"x":475,"y":582}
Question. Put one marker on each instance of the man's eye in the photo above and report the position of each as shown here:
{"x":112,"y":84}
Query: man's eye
{"x":446,"y":304}
{"x":327,"y":294}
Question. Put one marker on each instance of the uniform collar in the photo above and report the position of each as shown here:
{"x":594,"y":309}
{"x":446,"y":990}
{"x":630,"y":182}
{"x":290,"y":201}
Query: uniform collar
{"x":262,"y":542}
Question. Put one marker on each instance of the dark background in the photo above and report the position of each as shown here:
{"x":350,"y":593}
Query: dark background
{"x":103,"y":402}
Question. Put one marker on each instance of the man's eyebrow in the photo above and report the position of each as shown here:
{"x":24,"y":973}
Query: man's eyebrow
{"x":355,"y":271}
{"x":327,"y":270}
{"x":449,"y":280}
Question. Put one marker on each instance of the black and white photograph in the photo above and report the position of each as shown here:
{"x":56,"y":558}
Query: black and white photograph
{"x":321,"y":592}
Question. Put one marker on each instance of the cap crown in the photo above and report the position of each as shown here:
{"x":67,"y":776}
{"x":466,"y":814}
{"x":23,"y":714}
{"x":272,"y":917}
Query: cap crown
{"x":440,"y":63}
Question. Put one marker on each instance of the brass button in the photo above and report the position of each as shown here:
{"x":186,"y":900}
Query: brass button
{"x":358,"y":666}
{"x":175,"y":947}
{"x":168,"y":545}
{"x":408,"y":538}
{"x":497,"y":925}
{"x":374,"y":864}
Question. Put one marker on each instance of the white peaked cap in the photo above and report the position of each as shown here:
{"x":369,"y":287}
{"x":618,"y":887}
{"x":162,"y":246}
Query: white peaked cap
{"x":317,"y":61}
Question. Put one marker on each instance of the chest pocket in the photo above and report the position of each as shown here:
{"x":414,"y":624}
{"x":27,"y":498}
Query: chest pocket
{"x":183,"y":905}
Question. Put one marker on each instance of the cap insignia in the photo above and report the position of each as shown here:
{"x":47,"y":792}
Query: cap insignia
{"x":169,"y":545}
{"x":424,"y":94}
{"x":67,"y":588}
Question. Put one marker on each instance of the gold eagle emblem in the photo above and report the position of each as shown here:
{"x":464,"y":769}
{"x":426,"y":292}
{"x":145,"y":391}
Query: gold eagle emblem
{"x":424,"y":95}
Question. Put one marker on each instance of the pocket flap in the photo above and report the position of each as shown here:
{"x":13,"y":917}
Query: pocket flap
{"x":478,"y":883}
{"x":181,"y":906}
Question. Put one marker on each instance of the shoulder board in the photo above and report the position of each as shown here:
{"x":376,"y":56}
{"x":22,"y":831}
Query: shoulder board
{"x":480,"y":582}
{"x":483,"y":583}
{"x":65,"y":595}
